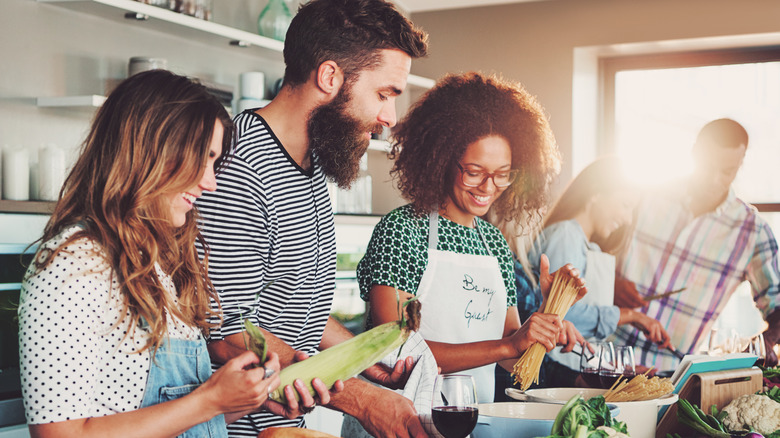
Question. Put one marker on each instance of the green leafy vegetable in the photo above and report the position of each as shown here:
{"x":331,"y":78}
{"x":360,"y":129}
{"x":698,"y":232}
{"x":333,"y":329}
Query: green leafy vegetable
{"x":771,"y":372}
{"x":693,"y":417}
{"x":773,"y":393}
{"x":578,"y":418}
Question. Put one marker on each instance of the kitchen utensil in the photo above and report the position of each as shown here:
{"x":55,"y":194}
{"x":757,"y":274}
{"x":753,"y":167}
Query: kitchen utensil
{"x":540,"y":397}
{"x":664,"y":295}
{"x":676,"y":353}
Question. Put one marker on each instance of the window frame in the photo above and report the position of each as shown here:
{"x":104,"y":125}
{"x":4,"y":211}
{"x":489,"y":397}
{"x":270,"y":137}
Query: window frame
{"x":610,"y":66}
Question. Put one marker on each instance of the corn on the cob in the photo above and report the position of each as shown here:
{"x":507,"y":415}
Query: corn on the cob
{"x":344,"y":360}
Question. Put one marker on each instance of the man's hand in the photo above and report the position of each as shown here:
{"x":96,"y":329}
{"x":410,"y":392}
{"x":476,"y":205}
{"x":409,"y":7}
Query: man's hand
{"x":570,"y":336}
{"x":388,"y":414}
{"x":393,"y":378}
{"x":626,"y":294}
{"x":295,"y":408}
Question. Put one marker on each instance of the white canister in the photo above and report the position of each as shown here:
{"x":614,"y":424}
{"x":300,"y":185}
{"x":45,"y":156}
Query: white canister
{"x":251,"y":85}
{"x":143,"y":63}
{"x":16,"y":174}
{"x":51,"y":172}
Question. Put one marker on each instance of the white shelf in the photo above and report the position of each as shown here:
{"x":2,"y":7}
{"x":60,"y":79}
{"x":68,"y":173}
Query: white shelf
{"x":356,"y":219}
{"x":163,"y":20}
{"x":90,"y":101}
{"x":191,"y":28}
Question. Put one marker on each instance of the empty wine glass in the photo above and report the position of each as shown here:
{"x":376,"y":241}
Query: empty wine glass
{"x":589,"y":364}
{"x":454,"y":406}
{"x":758,"y":348}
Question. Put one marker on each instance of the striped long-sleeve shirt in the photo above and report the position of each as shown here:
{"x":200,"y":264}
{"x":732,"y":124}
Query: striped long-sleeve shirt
{"x":709,"y":255}
{"x":270,"y":223}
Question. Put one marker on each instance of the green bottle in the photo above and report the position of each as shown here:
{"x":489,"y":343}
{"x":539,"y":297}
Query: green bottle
{"x":274,"y":20}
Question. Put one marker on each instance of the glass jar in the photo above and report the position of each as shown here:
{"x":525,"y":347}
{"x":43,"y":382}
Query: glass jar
{"x":274,"y":20}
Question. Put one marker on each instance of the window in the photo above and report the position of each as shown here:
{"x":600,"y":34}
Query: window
{"x":654,"y":105}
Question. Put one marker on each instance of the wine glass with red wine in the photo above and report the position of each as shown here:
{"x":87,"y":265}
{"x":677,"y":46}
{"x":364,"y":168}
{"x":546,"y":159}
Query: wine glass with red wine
{"x":615,"y":364}
{"x":589,"y":363}
{"x":454,"y":406}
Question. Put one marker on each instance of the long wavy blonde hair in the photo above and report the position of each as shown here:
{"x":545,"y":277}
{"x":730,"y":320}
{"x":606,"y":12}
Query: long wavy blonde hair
{"x":150,"y":139}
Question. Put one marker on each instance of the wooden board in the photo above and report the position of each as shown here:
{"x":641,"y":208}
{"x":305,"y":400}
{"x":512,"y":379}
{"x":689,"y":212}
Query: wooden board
{"x":706,"y":389}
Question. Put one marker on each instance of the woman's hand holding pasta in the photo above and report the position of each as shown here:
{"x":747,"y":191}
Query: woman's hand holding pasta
{"x":540,"y":328}
{"x":546,"y":279}
{"x":564,"y":291}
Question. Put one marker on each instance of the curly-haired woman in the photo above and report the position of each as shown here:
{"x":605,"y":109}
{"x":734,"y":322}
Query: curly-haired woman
{"x":471,"y":142}
{"x":116,"y":303}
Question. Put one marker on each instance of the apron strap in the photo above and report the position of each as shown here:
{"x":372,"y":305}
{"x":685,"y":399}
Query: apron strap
{"x":433,"y":232}
{"x":433,"y":229}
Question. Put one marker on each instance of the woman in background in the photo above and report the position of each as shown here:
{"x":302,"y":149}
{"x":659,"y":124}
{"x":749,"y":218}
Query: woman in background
{"x":115,"y":305}
{"x":470,"y":142}
{"x":590,"y":223}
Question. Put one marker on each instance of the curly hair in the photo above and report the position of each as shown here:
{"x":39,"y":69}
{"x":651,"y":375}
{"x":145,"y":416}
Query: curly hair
{"x":150,"y":138}
{"x":458,"y":111}
{"x":349,"y":32}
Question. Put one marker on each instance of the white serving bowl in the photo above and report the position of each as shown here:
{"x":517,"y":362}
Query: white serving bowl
{"x":641,"y":417}
{"x":517,"y":419}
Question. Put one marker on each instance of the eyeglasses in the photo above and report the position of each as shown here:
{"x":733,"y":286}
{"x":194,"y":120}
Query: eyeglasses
{"x":475,"y":178}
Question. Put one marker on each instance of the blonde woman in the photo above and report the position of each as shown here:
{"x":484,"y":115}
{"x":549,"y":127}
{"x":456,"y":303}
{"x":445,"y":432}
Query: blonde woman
{"x":114,"y":307}
{"x":589,"y":224}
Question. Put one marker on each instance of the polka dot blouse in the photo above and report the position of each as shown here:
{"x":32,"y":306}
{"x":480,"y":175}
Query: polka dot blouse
{"x":76,"y":360}
{"x":397,"y":254}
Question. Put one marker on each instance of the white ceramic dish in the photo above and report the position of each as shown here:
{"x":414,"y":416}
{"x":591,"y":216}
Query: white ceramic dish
{"x":517,"y":420}
{"x":641,"y":417}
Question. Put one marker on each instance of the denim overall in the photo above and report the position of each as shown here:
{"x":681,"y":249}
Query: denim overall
{"x":177,"y":368}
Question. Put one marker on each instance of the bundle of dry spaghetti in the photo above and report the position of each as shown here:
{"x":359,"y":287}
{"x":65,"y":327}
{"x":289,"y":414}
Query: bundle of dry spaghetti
{"x":639,"y":388}
{"x":562,"y":295}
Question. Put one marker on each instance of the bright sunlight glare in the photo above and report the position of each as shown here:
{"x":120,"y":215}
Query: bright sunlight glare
{"x":658,"y":113}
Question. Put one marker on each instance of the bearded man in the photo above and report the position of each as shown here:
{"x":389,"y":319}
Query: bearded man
{"x":270,"y":226}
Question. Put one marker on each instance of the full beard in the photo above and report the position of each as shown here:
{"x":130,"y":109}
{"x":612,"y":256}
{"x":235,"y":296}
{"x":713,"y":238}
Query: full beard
{"x":338,"y":140}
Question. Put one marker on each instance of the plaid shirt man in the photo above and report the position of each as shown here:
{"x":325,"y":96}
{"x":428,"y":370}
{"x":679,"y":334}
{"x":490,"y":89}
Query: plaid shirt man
{"x":709,"y":255}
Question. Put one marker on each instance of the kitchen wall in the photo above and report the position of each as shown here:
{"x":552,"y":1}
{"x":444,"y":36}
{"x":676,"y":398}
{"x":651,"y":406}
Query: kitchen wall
{"x":536,"y":43}
{"x":47,"y":50}
{"x":52,"y":51}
